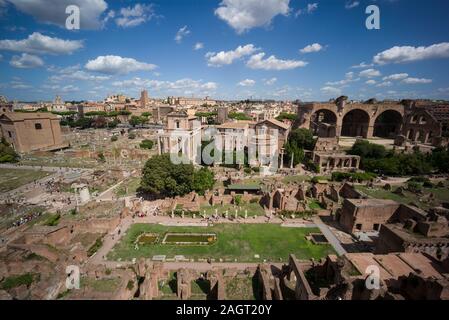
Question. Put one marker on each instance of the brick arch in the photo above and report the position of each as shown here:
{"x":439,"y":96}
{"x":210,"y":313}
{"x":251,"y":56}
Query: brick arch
{"x":323,"y":122}
{"x":355,"y":123}
{"x":388,"y":123}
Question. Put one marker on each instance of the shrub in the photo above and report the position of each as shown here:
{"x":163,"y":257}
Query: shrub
{"x":94,"y":248}
{"x":254,"y":200}
{"x":247,"y":170}
{"x":414,"y":187}
{"x":114,"y":138}
{"x":16,"y":281}
{"x":238,"y":200}
{"x":318,"y":178}
{"x":132,"y":136}
{"x":53,"y":220}
{"x":147,"y":144}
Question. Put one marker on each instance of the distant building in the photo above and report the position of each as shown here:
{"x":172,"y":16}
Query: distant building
{"x":181,"y":101}
{"x":181,"y":136}
{"x":222,"y":114}
{"x":160,"y":113}
{"x":28,"y":132}
{"x":144,"y":99}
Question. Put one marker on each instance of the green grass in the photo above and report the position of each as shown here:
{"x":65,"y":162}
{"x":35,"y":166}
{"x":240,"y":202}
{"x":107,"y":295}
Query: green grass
{"x":254,"y":209}
{"x":101,"y":285}
{"x":441,"y":195}
{"x":241,"y":289}
{"x":295,"y":179}
{"x":315,"y":205}
{"x":270,"y":241}
{"x":11,"y":179}
{"x":128,"y":187}
{"x":94,"y":248}
{"x":16,"y":281}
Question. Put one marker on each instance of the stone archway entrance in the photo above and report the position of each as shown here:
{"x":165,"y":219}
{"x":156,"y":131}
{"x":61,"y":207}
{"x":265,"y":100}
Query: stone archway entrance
{"x":323,"y":123}
{"x":388,"y":124}
{"x":355,"y":124}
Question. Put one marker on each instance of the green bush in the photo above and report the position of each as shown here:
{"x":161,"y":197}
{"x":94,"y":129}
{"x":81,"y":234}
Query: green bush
{"x":414,"y":187}
{"x":16,"y":281}
{"x":147,"y":144}
{"x":94,"y":248}
{"x":238,"y":200}
{"x":53,"y":220}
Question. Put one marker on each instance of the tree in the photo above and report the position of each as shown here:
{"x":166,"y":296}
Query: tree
{"x":147,"y":144}
{"x":203,"y":180}
{"x":298,"y":140}
{"x":365,"y":149}
{"x":136,"y":120}
{"x":287,"y":116}
{"x":162,"y":178}
{"x":7,"y":153}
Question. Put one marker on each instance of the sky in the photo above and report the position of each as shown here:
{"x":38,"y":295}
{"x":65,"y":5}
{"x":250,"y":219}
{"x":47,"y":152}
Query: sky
{"x":225,"y":49}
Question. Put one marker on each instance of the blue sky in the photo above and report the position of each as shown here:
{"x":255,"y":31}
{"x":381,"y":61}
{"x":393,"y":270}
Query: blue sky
{"x":226,"y":49}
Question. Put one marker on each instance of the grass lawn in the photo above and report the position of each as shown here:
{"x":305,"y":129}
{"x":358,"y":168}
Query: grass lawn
{"x":254,"y":209}
{"x":242,"y":242}
{"x":241,"y":289}
{"x":101,"y":285}
{"x":295,"y":179}
{"x":441,"y":195}
{"x":11,"y":179}
{"x":128,"y":187}
{"x":315,"y":205}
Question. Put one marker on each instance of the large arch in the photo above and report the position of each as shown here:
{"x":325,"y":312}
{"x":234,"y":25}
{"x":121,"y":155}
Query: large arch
{"x":323,"y":123}
{"x":388,"y":124}
{"x":355,"y":124}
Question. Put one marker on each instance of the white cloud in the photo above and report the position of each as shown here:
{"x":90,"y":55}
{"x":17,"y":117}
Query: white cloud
{"x":271,"y":81}
{"x":134,"y":16}
{"x":349,"y":77}
{"x":396,"y":77}
{"x":1,"y":57}
{"x":385,"y":84}
{"x":243,"y":15}
{"x":182,"y":32}
{"x":331,"y":90}
{"x":352,"y":4}
{"x":181,"y":86}
{"x":362,"y":65}
{"x":74,"y":73}
{"x":370,"y":73}
{"x":371,"y":82}
{"x":417,"y":81}
{"x":311,"y":7}
{"x":117,"y":65}
{"x":39,"y":43}
{"x":26,"y":61}
{"x":247,"y":83}
{"x":198,"y":46}
{"x":316,"y":47}
{"x":18,"y":84}
{"x":410,"y":54}
{"x":53,"y":11}
{"x":69,"y":88}
{"x":272,"y":63}
{"x":227,"y":57}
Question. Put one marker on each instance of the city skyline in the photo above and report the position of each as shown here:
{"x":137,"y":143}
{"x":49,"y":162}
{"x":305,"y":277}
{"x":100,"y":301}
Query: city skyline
{"x":283,"y":50}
